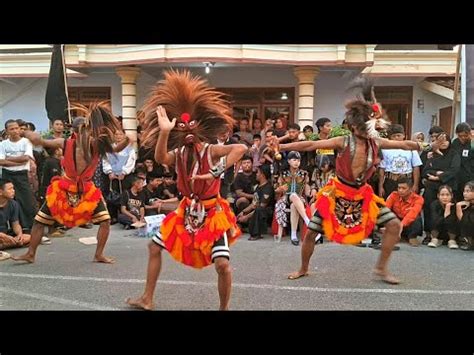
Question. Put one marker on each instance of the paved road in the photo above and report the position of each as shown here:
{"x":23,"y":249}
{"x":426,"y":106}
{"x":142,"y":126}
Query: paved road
{"x":64,"y":278}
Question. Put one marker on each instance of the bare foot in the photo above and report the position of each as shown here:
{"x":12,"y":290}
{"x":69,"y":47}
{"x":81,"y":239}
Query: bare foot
{"x":104,"y":259}
{"x":141,"y":304}
{"x":297,"y":275}
{"x":386,"y":277}
{"x":25,"y":257}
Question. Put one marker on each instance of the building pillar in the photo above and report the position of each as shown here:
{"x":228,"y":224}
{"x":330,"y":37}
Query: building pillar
{"x":306,"y":76}
{"x":129,"y":77}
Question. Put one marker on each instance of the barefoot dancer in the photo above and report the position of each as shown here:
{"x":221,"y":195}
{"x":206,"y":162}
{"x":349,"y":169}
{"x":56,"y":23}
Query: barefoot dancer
{"x":347,"y":208}
{"x":203,"y":226}
{"x":92,"y":137}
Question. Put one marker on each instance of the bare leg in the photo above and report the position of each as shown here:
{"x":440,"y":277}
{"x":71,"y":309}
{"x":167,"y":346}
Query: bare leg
{"x":391,"y":236}
{"x":224,"y":282}
{"x":295,"y":200}
{"x":306,"y":252}
{"x":294,"y":218}
{"x":102,"y":236}
{"x":36,"y":233}
{"x":154,"y":267}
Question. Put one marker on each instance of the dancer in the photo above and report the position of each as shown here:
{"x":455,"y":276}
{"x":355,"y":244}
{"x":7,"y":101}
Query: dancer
{"x":203,"y":226}
{"x":72,"y":199}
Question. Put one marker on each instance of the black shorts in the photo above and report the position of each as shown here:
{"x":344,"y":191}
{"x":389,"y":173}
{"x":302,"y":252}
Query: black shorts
{"x":220,"y":249}
{"x":100,"y":214}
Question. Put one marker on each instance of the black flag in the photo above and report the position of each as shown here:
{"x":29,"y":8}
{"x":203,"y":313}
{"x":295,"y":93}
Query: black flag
{"x":57,"y":102}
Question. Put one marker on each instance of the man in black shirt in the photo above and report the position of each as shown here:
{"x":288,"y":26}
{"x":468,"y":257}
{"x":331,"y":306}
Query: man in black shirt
{"x":463,"y":145}
{"x":244,"y":185}
{"x":131,"y":204}
{"x":150,"y":194}
{"x":260,"y":211}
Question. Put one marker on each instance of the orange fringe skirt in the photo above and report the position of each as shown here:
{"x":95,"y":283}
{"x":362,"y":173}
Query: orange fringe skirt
{"x":67,"y":213}
{"x":195,"y":249}
{"x":326,"y":207}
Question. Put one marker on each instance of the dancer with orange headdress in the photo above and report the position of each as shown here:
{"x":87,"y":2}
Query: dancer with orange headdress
{"x":203,"y":226}
{"x":347,"y":209}
{"x":72,"y":199}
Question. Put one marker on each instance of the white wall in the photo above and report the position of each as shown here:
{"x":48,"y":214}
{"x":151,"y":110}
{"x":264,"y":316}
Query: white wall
{"x":24,"y":98}
{"x":330,"y":94}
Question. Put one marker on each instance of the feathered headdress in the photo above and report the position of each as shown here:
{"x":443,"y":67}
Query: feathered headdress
{"x":200,"y":111}
{"x":96,"y":133}
{"x":364,"y":111}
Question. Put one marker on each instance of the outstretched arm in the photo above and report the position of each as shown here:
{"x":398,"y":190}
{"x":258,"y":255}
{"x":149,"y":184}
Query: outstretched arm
{"x":405,"y":145}
{"x":36,"y":139}
{"x":306,"y":146}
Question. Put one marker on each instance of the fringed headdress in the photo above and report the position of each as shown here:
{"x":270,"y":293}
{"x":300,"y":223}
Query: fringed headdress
{"x":365,"y":112}
{"x":95,"y":134}
{"x":200,"y":111}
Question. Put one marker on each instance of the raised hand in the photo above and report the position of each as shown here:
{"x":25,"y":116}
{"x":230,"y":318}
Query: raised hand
{"x":163,"y":120}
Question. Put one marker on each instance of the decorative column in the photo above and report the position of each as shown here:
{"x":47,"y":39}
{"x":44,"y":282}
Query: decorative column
{"x":129,"y":99}
{"x":306,"y":76}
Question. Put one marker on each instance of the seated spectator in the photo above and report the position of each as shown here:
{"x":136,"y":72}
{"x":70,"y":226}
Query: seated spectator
{"x":291,"y":193}
{"x":465,"y":216}
{"x":150,"y":194}
{"x":244,"y":185}
{"x":131,"y":205}
{"x":407,"y":205}
{"x":11,"y":233}
{"x":154,"y":168}
{"x":259,"y":213}
{"x":443,"y":219}
{"x":168,"y":189}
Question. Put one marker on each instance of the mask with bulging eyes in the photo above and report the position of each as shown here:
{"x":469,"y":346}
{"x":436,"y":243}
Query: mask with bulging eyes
{"x":187,"y":125}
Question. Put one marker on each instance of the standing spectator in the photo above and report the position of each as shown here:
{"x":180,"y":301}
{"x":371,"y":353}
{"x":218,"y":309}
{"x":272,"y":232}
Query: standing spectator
{"x":397,"y":164}
{"x":51,"y":168}
{"x":324,"y":126}
{"x":308,"y":159}
{"x":280,"y":126}
{"x":244,"y":132}
{"x":256,"y":126}
{"x":227,"y":177}
{"x":407,"y":205}
{"x":441,"y":169}
{"x":443,"y":218}
{"x":15,"y":155}
{"x":268,"y":126}
{"x":463,"y":145}
{"x":255,"y":151}
{"x":57,"y":130}
{"x":118,"y":166}
{"x":465,"y":216}
{"x":131,"y":205}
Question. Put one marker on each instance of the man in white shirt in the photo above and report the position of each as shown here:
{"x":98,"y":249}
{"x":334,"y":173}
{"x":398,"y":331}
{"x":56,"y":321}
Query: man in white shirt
{"x":398,"y":163}
{"x":15,"y":155}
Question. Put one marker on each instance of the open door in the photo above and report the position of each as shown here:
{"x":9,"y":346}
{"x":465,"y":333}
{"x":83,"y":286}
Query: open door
{"x":445,"y":119}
